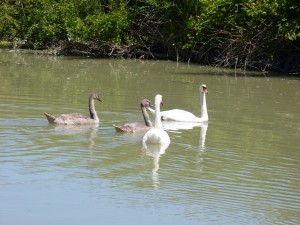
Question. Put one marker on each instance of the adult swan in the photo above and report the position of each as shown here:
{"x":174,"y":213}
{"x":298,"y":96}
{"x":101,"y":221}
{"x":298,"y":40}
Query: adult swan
{"x":156,"y":135}
{"x":185,"y":116}
{"x":76,"y":118}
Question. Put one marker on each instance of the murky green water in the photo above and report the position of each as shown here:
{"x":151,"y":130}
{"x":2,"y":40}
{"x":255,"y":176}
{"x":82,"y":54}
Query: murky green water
{"x":240,"y":168}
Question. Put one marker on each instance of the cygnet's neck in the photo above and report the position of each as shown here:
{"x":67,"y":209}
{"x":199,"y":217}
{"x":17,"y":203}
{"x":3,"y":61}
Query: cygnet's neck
{"x":146,"y":117}
{"x":93,"y":113}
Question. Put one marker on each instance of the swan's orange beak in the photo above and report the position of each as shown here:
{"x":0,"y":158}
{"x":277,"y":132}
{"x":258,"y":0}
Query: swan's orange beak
{"x":205,"y":90}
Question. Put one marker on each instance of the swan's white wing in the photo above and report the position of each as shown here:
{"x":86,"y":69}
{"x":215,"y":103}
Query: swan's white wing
{"x":178,"y":115}
{"x":179,"y":125}
{"x":156,"y":136}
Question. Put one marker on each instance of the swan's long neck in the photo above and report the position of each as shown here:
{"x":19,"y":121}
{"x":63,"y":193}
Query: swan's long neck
{"x":93,"y":113}
{"x":146,"y":117}
{"x":204,"y":114}
{"x":158,"y":124}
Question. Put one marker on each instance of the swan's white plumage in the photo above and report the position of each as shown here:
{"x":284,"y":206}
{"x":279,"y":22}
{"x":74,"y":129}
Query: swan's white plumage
{"x":181,"y":115}
{"x":156,"y":135}
{"x":185,"y":116}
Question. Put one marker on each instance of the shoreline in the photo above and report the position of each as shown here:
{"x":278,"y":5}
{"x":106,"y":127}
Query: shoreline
{"x":131,"y":52}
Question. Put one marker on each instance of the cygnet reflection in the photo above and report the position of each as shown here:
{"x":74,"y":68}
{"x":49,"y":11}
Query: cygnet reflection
{"x":89,"y":129}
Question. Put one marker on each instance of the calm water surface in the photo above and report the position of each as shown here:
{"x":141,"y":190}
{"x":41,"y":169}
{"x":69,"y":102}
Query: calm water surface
{"x":240,"y":168}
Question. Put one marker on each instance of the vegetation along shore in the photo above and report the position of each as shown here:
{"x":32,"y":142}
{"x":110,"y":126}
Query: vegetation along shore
{"x":246,"y":34}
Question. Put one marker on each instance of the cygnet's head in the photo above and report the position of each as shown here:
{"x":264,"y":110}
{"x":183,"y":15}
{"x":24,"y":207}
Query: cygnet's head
{"x":145,"y":103}
{"x":95,"y":96}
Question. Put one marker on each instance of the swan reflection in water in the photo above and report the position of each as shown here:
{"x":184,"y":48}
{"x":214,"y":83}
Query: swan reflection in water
{"x":202,"y":139}
{"x":176,"y":127}
{"x":155,"y":151}
{"x":89,"y":129}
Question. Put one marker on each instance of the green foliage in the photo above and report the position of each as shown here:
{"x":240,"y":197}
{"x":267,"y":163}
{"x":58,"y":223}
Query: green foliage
{"x":9,"y":25}
{"x":103,"y":27}
{"x":98,"y":22}
{"x":46,"y":25}
{"x":239,"y":33}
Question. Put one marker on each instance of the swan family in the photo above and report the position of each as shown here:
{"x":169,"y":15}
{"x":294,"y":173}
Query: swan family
{"x":154,"y":134}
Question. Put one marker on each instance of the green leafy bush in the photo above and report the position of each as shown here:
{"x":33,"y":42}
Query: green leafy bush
{"x":254,"y":34}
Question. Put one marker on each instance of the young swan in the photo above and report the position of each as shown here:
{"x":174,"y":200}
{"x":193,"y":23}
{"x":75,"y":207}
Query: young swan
{"x":77,"y":118}
{"x":180,"y":115}
{"x":137,"y":127}
{"x":156,"y":135}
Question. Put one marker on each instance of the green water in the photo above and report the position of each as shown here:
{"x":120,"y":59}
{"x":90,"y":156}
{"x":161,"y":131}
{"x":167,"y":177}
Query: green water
{"x":240,"y":168}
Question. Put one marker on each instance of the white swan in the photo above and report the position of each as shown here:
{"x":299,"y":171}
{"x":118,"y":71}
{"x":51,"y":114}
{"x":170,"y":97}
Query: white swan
{"x":77,"y":118}
{"x":137,"y":127}
{"x":156,"y":135}
{"x":185,"y":116}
